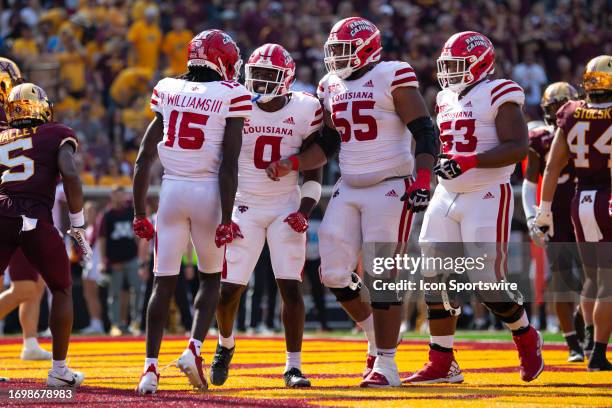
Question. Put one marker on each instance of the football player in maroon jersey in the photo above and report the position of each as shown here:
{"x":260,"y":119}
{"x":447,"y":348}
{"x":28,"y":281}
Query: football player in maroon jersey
{"x":562,"y":253}
{"x":584,"y":134}
{"x":34,"y":152}
{"x":26,"y":288}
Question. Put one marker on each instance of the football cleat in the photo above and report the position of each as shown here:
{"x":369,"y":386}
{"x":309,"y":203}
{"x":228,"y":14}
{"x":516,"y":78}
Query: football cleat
{"x":295,"y":379}
{"x":67,"y":378}
{"x":191,"y":364}
{"x":382,"y":376}
{"x":219,"y":369}
{"x":441,"y":368}
{"x":369,"y":365}
{"x":35,"y":354}
{"x":575,"y":356}
{"x":148,"y":381}
{"x":603,"y":365}
{"x":529,"y":346}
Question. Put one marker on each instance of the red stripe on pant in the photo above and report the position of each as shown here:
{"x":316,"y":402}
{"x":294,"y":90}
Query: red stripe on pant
{"x":503,"y":218}
{"x":224,"y":270}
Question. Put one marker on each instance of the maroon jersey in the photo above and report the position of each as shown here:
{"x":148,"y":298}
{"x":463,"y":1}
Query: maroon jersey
{"x":29,"y":170}
{"x":540,"y":141}
{"x":589,"y":137}
{"x":3,"y":120}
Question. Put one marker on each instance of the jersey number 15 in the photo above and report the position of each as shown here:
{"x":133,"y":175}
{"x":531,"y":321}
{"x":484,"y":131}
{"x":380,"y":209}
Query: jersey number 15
{"x":190,"y":130}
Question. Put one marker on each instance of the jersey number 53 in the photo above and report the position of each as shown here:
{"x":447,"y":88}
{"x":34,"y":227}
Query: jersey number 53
{"x":458,"y":136}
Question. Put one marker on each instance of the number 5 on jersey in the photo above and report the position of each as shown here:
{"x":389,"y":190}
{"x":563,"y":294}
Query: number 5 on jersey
{"x":190,"y":130}
{"x":369,"y":130}
{"x":10,"y":160}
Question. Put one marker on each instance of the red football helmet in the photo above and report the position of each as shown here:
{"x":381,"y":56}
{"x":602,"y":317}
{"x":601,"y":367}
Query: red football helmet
{"x":466,"y":58}
{"x":269,"y":72}
{"x":216,"y":50}
{"x":352,"y":44}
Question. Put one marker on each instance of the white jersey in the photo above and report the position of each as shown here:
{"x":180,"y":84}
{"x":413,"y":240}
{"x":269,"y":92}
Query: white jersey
{"x":271,"y":136}
{"x":467,"y":126}
{"x":376,"y":144}
{"x":194,"y":124}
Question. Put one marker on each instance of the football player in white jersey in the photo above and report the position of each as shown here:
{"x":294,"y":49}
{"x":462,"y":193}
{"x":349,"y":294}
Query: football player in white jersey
{"x":197,"y":131}
{"x":483,"y":135}
{"x":282,"y":122}
{"x":373,"y":110}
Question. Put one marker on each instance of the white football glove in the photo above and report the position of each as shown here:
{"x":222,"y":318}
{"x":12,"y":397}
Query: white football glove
{"x":537,"y":236}
{"x":543,"y":220}
{"x":78,"y":233}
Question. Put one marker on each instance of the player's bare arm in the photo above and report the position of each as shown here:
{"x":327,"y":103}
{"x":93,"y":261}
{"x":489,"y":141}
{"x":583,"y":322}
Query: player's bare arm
{"x":228,"y":181}
{"x":70,"y":178}
{"x":146,"y":156}
{"x":74,"y":197}
{"x":557,"y":159}
{"x":142,"y":172}
{"x":513,"y":136}
{"x":410,"y":107}
{"x":228,"y":171}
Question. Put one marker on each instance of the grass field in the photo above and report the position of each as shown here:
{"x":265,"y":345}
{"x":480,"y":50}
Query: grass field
{"x":112,"y":367}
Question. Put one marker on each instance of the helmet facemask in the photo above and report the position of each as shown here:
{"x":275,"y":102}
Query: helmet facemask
{"x":455,"y":73}
{"x":341,"y":56}
{"x":265,"y":82}
{"x":550,"y":111}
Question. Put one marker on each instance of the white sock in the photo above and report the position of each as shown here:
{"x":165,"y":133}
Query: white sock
{"x":520,"y":323}
{"x":148,"y":362}
{"x":388,"y":353}
{"x":30,"y":343}
{"x":227,"y":342}
{"x":368,"y":328}
{"x":59,"y":366}
{"x":444,"y":341}
{"x":294,"y":360}
{"x":197,"y":344}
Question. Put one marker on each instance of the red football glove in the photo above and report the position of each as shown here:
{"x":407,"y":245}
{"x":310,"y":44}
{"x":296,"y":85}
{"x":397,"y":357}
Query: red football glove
{"x":297,"y":221}
{"x":226,"y":233}
{"x":143,"y":228}
{"x":418,"y":194}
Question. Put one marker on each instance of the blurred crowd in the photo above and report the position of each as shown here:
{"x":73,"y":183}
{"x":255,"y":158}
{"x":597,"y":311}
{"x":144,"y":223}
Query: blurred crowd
{"x":99,"y":59}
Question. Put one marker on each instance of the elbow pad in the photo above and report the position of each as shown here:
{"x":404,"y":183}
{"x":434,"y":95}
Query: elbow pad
{"x":422,"y":130}
{"x":329,"y":141}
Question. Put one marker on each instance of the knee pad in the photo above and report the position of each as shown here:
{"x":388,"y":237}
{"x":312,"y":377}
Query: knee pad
{"x":436,"y":314}
{"x":385,"y":305}
{"x":504,"y":311}
{"x":349,"y":292}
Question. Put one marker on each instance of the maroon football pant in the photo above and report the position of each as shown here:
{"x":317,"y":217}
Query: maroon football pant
{"x":20,"y":269}
{"x":42,"y":247}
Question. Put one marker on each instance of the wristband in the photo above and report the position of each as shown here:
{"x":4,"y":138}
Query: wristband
{"x":311,"y":189}
{"x":425,"y":175}
{"x":545,"y":206}
{"x":77,"y":220}
{"x":295,"y":163}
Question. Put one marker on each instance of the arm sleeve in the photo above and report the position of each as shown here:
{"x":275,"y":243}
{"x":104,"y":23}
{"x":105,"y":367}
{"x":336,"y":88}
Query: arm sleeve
{"x":403,"y":75}
{"x":240,"y":104}
{"x":506,"y":91}
{"x":529,"y":198}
